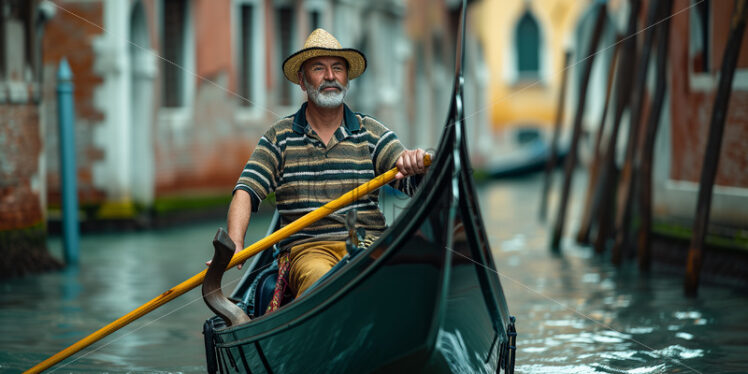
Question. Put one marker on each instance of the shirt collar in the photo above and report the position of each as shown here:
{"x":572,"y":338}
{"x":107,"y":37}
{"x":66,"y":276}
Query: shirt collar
{"x":350,"y":120}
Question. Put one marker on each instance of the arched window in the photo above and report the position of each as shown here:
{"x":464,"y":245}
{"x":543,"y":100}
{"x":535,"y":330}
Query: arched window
{"x":527,"y":46}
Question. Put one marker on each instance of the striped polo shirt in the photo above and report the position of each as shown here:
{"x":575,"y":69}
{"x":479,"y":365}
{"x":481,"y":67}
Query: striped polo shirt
{"x":306,"y":174}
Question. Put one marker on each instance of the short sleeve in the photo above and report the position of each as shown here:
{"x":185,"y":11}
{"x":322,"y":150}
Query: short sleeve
{"x":261,"y":173}
{"x":386,"y":150}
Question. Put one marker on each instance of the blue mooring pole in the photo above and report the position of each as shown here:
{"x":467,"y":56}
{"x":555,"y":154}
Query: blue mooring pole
{"x":66,"y":121}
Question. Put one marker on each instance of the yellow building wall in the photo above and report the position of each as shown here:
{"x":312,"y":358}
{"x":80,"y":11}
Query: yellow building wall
{"x":522,"y":102}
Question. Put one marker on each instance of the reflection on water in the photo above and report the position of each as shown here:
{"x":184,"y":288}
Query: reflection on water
{"x":575,"y":312}
{"x":44,"y":314}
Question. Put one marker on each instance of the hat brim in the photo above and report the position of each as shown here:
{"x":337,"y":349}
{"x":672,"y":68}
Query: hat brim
{"x":356,"y":61}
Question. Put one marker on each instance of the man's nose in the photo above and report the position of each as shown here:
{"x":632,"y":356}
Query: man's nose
{"x":329,"y":75}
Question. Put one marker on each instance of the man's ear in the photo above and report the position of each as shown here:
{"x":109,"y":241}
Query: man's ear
{"x":301,"y":80}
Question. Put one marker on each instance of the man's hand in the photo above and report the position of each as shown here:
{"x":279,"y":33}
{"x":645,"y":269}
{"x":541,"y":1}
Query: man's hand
{"x":238,"y":246}
{"x":410,"y":163}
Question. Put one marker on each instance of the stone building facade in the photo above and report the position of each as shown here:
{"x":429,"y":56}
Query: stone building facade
{"x":524,"y":42}
{"x":172,"y":95}
{"x":697,"y":44}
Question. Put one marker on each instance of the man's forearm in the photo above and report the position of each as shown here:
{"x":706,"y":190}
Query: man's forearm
{"x":238,"y":217}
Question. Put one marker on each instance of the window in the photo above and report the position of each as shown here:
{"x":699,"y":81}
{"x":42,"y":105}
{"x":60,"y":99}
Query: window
{"x":284,"y":16}
{"x":315,"y":15}
{"x":527,"y":46}
{"x":248,"y":45}
{"x":3,"y":32}
{"x":16,"y":39}
{"x":437,"y":44}
{"x":174,"y":17}
{"x":314,"y":20}
{"x":246,"y":57}
{"x":699,"y":37}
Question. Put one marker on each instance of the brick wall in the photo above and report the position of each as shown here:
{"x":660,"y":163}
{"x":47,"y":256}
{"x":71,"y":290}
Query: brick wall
{"x":70,"y":34}
{"x":207,"y":154}
{"x":23,"y":246}
{"x":20,"y":148}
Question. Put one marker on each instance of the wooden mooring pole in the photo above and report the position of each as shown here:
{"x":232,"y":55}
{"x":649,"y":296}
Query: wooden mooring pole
{"x":713,"y":146}
{"x":650,"y":135}
{"x":583,"y":234}
{"x":608,"y":170}
{"x":551,"y":162}
{"x":628,"y":173}
{"x":571,"y":158}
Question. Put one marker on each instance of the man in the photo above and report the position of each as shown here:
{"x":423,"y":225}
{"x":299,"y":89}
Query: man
{"x":322,"y":151}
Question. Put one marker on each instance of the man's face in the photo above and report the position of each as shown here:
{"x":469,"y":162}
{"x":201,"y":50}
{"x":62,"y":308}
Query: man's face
{"x":325,"y":79}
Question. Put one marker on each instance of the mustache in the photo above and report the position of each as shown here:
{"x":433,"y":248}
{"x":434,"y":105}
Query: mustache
{"x":329,"y":84}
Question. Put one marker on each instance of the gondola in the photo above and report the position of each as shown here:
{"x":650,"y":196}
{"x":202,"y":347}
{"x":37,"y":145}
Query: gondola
{"x":425,"y":297}
{"x":529,"y":156}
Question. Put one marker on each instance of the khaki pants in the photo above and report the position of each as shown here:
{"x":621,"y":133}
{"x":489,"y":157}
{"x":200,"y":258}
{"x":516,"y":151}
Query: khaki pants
{"x":310,"y":261}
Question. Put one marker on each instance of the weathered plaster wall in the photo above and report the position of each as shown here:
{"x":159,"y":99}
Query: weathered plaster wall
{"x":691,"y":105}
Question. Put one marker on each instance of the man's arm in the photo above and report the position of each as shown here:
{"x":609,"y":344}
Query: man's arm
{"x":238,"y":218}
{"x":240,"y":210}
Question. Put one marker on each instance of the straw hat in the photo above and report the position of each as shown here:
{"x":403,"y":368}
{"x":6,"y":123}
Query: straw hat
{"x":322,"y":43}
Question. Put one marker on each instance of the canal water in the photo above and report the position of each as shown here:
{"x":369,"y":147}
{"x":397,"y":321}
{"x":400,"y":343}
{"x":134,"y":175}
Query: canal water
{"x":575,"y":312}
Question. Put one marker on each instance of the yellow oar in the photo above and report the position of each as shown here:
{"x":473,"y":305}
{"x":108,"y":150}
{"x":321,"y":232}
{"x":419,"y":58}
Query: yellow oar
{"x":238,"y":258}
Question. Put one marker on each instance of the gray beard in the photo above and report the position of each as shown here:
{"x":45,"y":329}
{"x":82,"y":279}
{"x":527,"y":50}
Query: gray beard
{"x":325,"y":99}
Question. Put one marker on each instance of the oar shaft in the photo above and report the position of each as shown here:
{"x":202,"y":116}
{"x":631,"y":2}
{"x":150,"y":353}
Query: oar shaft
{"x":238,"y":258}
{"x":144,"y":309}
{"x":312,"y":217}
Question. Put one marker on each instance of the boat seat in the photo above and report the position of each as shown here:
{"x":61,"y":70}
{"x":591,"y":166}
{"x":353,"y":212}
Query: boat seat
{"x":264,"y":292}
